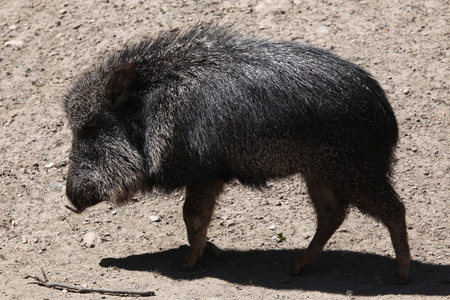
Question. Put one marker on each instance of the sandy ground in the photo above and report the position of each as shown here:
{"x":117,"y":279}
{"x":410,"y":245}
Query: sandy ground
{"x":44,"y":45}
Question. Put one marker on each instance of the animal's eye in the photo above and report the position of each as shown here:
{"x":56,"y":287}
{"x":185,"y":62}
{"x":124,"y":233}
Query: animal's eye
{"x":87,"y":128}
{"x":92,"y":124}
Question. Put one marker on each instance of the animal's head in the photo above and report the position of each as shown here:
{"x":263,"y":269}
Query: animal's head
{"x":106,"y":161}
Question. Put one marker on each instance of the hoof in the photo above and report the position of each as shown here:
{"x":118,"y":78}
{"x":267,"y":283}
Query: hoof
{"x":190,"y":261}
{"x":186,"y":268}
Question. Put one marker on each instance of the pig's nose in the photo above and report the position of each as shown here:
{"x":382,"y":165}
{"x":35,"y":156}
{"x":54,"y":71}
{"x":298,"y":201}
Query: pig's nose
{"x":69,"y":205}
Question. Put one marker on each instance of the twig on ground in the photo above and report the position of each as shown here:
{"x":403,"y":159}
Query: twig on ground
{"x":43,"y":281}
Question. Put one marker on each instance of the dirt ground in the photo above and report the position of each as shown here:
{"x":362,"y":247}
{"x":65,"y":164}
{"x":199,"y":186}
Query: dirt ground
{"x":44,"y":45}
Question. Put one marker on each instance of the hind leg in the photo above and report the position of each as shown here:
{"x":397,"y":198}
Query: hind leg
{"x":387,"y":207}
{"x":331,"y":212}
{"x":197,"y":212}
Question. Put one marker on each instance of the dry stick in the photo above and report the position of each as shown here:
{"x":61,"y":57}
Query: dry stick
{"x":60,"y":286}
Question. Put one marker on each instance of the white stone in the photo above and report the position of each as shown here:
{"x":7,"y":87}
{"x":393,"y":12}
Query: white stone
{"x":155,"y":218}
{"x":16,"y":43}
{"x":89,"y":239}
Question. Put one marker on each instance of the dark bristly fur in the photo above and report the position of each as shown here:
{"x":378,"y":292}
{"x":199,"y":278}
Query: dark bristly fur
{"x":200,"y":107}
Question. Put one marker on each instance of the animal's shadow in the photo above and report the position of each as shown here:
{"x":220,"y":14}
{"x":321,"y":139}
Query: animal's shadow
{"x":334,"y":271}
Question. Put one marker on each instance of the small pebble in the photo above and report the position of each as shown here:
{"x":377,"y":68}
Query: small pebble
{"x":50,"y":165}
{"x":89,"y":239}
{"x":277,"y":239}
{"x":155,"y":218}
{"x":439,"y":174}
{"x":16,"y":43}
{"x":231,"y":223}
{"x":273,"y":227}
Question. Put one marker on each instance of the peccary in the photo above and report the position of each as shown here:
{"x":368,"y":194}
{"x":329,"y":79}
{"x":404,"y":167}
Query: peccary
{"x":197,"y":108}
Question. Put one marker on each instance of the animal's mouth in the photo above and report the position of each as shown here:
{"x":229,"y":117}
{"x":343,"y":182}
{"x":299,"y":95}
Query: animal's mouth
{"x":69,"y":205}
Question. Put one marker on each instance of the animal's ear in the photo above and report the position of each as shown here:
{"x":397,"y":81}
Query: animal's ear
{"x":119,"y":85}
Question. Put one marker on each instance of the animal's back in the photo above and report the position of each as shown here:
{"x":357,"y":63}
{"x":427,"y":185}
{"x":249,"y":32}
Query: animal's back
{"x":278,"y":108}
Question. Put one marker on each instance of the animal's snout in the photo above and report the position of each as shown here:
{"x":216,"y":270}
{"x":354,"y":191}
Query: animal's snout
{"x":71,"y":206}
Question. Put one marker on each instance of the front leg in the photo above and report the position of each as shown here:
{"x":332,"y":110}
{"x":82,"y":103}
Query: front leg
{"x":197,"y":212}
